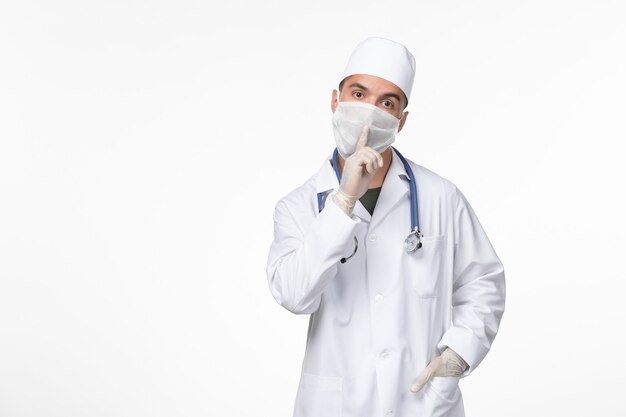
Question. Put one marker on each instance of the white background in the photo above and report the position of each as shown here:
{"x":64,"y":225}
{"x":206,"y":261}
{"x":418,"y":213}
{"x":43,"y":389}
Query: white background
{"x":143,"y":145}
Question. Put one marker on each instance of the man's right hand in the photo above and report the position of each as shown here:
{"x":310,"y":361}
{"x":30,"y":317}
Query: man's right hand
{"x":358,"y":171}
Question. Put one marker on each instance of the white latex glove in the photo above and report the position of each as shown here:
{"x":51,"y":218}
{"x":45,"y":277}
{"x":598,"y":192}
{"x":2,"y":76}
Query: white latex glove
{"x":358,"y":171}
{"x":449,"y":363}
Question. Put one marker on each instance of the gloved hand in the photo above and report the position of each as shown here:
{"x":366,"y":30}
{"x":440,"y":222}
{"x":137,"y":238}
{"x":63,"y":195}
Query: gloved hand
{"x":358,"y":171}
{"x":449,"y":363}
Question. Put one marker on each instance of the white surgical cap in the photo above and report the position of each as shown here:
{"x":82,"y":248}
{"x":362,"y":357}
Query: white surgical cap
{"x":383,"y":58}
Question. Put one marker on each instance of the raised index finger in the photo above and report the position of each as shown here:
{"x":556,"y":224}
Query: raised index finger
{"x":362,"y":142}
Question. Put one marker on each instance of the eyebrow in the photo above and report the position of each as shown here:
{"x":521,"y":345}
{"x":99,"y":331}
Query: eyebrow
{"x":362,"y":87}
{"x":394,"y":95}
{"x":357,"y":85}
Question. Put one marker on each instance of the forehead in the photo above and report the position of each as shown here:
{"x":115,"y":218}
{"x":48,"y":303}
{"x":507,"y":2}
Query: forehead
{"x":373,"y":83}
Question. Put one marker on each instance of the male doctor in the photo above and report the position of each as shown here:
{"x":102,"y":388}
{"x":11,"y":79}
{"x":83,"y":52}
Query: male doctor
{"x":395,"y":322}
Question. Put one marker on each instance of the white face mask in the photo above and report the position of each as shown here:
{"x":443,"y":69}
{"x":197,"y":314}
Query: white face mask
{"x":349,"y":119}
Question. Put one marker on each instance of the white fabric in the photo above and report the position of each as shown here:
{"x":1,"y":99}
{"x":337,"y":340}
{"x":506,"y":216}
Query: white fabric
{"x":383,"y":58}
{"x":378,"y":320}
{"x":348,"y":121}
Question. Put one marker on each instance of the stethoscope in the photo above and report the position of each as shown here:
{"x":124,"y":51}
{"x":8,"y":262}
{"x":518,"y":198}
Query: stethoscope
{"x":414,"y":240}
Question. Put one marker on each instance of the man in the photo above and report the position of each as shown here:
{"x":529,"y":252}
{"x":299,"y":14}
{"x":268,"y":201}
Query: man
{"x":394,"y":322}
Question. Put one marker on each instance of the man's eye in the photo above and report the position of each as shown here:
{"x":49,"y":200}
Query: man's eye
{"x":388,"y":104}
{"x":358,"y":94}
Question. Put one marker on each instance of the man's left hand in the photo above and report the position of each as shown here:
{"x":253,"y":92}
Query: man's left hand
{"x":449,"y":363}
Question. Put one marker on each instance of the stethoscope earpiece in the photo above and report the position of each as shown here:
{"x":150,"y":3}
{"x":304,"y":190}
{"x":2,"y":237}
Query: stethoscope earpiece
{"x":356,"y":246}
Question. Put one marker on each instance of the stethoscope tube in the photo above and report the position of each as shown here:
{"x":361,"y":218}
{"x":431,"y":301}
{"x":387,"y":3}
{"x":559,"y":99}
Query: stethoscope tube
{"x":414,"y":239}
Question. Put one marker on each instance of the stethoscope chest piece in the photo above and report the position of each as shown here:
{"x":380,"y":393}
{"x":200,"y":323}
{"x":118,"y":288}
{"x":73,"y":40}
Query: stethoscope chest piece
{"x":413,"y":241}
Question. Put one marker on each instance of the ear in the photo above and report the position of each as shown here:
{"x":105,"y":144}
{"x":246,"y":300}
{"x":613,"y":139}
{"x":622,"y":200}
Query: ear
{"x":402,"y":120}
{"x":334,"y":100}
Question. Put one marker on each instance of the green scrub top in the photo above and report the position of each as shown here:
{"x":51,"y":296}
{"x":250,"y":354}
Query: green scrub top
{"x":369,"y":199}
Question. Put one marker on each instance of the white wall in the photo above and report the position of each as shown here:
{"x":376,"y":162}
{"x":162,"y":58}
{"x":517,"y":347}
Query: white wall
{"x":143,"y":146}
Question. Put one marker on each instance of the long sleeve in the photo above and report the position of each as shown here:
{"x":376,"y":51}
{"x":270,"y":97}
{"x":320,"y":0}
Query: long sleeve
{"x":303,"y":258}
{"x":478,"y":297}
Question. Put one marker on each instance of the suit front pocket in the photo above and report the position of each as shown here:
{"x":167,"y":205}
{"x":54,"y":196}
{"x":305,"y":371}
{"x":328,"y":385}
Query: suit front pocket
{"x":446,"y":387}
{"x":443,"y":397}
{"x":425,"y":266}
{"x":319,"y":396}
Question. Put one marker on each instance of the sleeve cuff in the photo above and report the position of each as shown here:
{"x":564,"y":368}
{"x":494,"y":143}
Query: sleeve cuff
{"x":465,"y":344}
{"x":337,"y":212}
